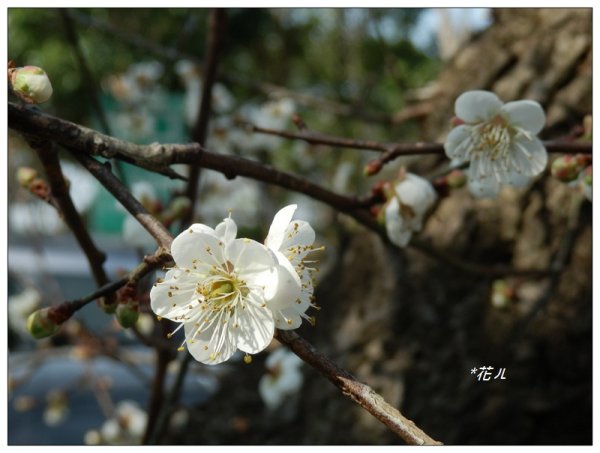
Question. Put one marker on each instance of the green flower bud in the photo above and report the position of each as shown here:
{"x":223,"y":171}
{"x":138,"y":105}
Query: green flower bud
{"x":31,"y":84}
{"x":456,"y":179}
{"x":128,"y":313}
{"x":40,"y":325}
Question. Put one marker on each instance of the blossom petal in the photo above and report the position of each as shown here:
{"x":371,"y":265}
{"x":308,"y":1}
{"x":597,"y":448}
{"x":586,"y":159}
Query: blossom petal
{"x":212,"y":346}
{"x":477,"y":106}
{"x":249,"y":258}
{"x":226,"y":230}
{"x":395,"y":226}
{"x":193,"y":248}
{"x":526,"y":115}
{"x":484,"y":186}
{"x":201,"y":228}
{"x":298,"y":239}
{"x":517,"y":179}
{"x":287,"y":319}
{"x":458,"y":143}
{"x":530,"y":156}
{"x":278,"y":227}
{"x":170,"y":298}
{"x":255,"y":328}
{"x":288,"y":287}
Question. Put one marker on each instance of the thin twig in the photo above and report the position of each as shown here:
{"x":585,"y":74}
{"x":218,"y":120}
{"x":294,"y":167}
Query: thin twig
{"x":62,"y":312}
{"x":360,"y":393}
{"x":60,"y":192}
{"x":199,"y":133}
{"x":129,"y":202}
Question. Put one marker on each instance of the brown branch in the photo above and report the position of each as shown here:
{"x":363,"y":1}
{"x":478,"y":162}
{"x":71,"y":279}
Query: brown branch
{"x":82,"y":140}
{"x":29,"y":120}
{"x":216,"y":31}
{"x":103,"y":174}
{"x":390,"y":151}
{"x":360,"y":393}
{"x":48,"y":155}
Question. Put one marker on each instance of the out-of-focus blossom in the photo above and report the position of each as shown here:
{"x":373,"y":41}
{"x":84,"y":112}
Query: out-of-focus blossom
{"x":283,"y":378}
{"x":408,"y":202}
{"x":20,"y":306}
{"x":57,"y":408}
{"x":126,"y":427}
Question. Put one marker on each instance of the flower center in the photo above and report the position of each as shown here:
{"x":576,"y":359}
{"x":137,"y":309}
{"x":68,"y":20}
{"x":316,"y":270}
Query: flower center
{"x":492,"y":137}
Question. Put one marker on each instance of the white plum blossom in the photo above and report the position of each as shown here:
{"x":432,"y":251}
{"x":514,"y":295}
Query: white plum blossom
{"x":227,"y":293}
{"x":190,"y":74}
{"x":275,"y":114}
{"x":291,"y":241}
{"x":126,"y":427}
{"x":283,"y":379}
{"x":410,"y":200}
{"x":498,"y":140}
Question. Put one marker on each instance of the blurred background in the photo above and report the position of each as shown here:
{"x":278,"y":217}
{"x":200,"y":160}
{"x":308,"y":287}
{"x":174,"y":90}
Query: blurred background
{"x":408,"y":324}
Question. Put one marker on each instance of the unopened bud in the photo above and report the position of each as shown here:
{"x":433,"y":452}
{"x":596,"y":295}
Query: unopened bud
{"x":456,"y":179}
{"x":25,"y":176}
{"x":502,"y":294}
{"x":128,"y":314}
{"x":40,"y":325}
{"x":456,"y":121}
{"x":373,"y":167}
{"x":566,"y":168}
{"x":31,"y":84}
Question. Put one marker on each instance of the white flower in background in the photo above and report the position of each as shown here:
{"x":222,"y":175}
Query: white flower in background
{"x":283,"y":379}
{"x":126,"y":427}
{"x":20,"y":306}
{"x":410,"y":200}
{"x":132,"y":86}
{"x":31,"y":84}
{"x":36,"y":217}
{"x":57,"y":408}
{"x":270,"y":115}
{"x":499,"y":140}
{"x":134,"y":233}
{"x":223,"y":291}
{"x":222,"y":101}
{"x":292,"y":241}
{"x":240,"y":195}
{"x":83,"y":187}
